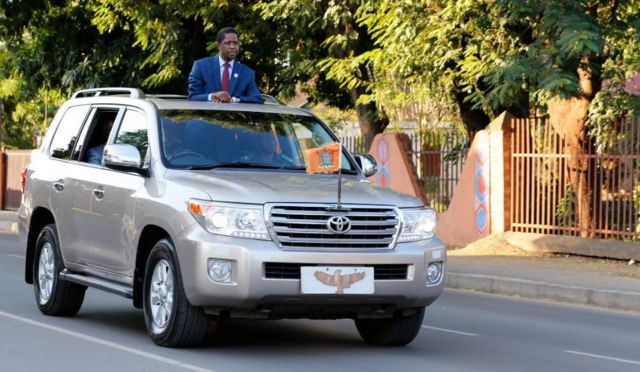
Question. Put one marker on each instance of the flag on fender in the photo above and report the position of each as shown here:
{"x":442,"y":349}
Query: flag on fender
{"x":325,"y":159}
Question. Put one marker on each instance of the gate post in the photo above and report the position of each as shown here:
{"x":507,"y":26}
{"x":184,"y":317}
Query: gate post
{"x":500,"y":150}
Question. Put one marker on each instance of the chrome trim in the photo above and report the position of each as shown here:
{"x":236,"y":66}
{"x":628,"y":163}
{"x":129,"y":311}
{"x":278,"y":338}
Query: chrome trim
{"x":392,"y":227}
{"x":325,"y":232}
{"x":339,"y":224}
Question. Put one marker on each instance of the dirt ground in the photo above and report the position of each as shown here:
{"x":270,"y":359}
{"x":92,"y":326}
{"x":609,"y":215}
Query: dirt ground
{"x":496,"y":245}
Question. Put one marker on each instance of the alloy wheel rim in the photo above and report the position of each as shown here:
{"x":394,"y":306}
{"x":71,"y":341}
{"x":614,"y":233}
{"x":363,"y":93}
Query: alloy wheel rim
{"x":161,"y":296}
{"x":45,"y":273}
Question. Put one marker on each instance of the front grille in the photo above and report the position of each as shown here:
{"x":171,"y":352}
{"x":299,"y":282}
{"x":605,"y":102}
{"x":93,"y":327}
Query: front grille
{"x":277,"y":270}
{"x":306,"y":226}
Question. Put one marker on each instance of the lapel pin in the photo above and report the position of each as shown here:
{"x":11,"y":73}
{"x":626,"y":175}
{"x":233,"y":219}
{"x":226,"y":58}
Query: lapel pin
{"x":235,"y":75}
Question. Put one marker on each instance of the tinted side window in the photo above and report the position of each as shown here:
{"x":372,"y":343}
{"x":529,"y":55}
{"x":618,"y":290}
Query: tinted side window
{"x":64,"y":140}
{"x":133,"y":131}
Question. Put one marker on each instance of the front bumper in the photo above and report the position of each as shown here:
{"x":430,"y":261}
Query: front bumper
{"x":251,"y":290}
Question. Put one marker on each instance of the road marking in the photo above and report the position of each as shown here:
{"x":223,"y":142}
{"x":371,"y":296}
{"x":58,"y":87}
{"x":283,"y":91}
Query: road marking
{"x":15,"y":256}
{"x":450,"y":331}
{"x":106,"y":343}
{"x":603,"y":357}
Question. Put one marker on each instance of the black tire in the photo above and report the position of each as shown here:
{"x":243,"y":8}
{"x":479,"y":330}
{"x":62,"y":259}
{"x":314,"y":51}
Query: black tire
{"x":397,"y":331}
{"x":186,"y":325}
{"x":63,"y":298}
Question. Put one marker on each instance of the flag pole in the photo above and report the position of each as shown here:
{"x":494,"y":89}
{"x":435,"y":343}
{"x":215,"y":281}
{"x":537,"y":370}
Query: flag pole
{"x":339,"y":176}
{"x":339,"y":187}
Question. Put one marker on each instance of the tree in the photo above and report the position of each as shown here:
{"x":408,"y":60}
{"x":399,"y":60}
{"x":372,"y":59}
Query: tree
{"x":575,"y":46}
{"x":66,"y":45}
{"x":519,"y":55}
{"x":442,"y":52}
{"x":172,"y":34}
{"x":50,"y":48}
{"x":318,"y":35}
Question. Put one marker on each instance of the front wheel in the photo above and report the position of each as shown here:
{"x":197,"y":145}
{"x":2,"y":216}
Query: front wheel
{"x":171,"y":320}
{"x":53,"y":296}
{"x":397,"y":331}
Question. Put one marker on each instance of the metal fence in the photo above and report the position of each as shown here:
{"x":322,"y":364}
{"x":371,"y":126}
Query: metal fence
{"x":438,"y":156}
{"x":543,"y":198}
{"x":353,"y":144}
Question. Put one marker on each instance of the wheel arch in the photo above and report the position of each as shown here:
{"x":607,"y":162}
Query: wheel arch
{"x":40,"y":218}
{"x":150,"y":235}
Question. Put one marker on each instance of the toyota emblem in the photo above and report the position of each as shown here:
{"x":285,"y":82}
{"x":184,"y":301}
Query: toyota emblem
{"x":339,"y":224}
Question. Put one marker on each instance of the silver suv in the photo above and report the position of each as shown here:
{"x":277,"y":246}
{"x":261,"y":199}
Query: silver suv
{"x":200,"y":211}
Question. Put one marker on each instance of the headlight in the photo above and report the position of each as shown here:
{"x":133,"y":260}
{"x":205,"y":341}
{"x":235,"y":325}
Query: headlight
{"x":417,"y":224}
{"x":241,"y":220}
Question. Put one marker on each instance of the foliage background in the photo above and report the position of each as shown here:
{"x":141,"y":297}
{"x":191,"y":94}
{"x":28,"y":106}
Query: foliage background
{"x":434,"y":62}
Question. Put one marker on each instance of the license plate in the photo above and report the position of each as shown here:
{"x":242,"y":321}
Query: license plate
{"x":336,"y":280}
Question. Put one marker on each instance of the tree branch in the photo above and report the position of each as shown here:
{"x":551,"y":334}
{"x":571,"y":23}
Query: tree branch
{"x":614,"y":9}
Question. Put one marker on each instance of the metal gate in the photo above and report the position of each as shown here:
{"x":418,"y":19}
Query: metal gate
{"x":543,"y":199}
{"x":438,"y":156}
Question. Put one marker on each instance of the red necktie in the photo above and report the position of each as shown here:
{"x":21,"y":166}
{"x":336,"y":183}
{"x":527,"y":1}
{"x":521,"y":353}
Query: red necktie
{"x":225,"y":77}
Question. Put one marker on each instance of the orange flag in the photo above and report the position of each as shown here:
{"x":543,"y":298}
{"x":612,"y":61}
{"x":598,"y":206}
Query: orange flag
{"x":325,"y":159}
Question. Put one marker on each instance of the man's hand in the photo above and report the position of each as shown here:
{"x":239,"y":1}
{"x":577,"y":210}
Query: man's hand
{"x":221,"y":96}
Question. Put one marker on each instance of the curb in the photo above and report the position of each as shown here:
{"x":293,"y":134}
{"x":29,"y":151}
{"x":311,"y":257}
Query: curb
{"x":533,"y":289}
{"x":8,"y":227}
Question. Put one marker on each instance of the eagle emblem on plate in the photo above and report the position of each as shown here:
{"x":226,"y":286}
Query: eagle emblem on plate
{"x":338,"y":280}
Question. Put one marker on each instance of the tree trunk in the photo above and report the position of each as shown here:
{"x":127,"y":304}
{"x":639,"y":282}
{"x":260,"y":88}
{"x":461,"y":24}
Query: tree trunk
{"x":473,"y":119}
{"x":569,"y":117}
{"x":371,"y":120}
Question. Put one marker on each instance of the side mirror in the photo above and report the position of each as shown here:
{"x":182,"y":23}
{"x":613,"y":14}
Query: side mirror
{"x":367,"y":163}
{"x":123,"y":157}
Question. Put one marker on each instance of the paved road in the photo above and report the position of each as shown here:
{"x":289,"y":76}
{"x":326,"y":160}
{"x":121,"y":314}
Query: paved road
{"x":463,"y":332}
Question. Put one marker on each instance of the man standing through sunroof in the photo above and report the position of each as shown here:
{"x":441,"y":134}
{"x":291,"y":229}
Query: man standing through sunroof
{"x":222,"y":78}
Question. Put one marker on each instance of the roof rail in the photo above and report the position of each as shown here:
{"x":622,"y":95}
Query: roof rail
{"x":270,"y":100}
{"x":133,"y":92}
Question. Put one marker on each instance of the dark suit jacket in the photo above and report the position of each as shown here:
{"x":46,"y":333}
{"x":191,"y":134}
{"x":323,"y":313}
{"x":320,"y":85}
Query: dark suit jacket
{"x":205,"y":78}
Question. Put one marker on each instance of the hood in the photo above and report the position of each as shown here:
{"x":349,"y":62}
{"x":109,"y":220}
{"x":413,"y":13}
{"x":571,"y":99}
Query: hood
{"x":257,"y":186}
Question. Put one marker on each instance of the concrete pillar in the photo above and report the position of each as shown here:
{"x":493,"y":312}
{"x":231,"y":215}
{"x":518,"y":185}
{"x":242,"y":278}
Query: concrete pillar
{"x":396,"y":170}
{"x":481,"y":200}
{"x":468,"y":217}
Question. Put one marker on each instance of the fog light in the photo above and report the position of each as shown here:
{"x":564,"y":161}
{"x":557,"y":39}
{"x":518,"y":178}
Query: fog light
{"x":219,"y":270}
{"x":434,"y":273}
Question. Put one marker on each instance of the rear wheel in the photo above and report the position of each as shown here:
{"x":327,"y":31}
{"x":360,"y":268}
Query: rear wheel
{"x":53,"y":296}
{"x":397,"y":331}
{"x":171,"y":320}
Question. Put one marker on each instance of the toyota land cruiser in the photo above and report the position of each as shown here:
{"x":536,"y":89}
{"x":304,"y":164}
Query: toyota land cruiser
{"x":200,"y":211}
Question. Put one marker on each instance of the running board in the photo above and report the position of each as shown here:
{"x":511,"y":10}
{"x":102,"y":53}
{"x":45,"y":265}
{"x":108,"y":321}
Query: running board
{"x":98,"y":283}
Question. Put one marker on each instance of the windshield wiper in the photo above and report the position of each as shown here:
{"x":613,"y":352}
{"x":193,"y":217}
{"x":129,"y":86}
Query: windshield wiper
{"x":232,"y":164}
{"x":344,"y":171}
{"x":243,"y":164}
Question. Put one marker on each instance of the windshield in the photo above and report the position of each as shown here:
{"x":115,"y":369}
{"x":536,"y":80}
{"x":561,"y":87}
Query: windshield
{"x":202,"y":139}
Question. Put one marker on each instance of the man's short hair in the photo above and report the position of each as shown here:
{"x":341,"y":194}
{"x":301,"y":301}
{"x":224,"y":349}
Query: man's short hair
{"x":224,"y":31}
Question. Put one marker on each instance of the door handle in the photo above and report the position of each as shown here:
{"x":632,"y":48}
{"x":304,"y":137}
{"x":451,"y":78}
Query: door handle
{"x":58,"y":185}
{"x":98,"y":193}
